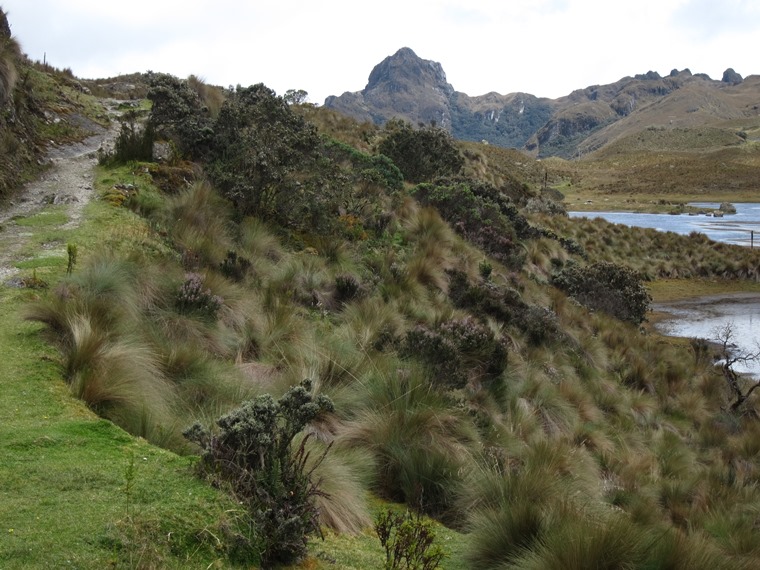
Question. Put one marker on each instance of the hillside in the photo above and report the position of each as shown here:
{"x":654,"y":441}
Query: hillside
{"x":588,"y":119}
{"x":473,"y":355}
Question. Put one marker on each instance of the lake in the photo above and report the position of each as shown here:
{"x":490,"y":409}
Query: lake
{"x":704,"y":316}
{"x":732,"y":228}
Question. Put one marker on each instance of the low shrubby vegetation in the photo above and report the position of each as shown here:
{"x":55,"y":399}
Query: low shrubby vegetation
{"x":480,"y":364}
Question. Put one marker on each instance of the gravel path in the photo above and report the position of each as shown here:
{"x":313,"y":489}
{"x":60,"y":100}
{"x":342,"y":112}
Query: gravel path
{"x":68,"y":182}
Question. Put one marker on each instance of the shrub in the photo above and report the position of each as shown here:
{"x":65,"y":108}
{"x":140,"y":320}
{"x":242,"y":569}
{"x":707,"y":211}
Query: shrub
{"x":487,"y":299}
{"x":477,"y":219}
{"x":253,"y":453}
{"x":347,"y":287}
{"x":408,"y":540}
{"x":477,"y":346}
{"x":179,"y":113}
{"x":421,"y":154}
{"x":234,"y":266}
{"x":438,"y":352}
{"x":134,"y":142}
{"x":608,"y":287}
{"x":192,"y":297}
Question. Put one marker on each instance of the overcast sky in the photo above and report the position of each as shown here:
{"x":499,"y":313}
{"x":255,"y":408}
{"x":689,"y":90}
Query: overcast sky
{"x":544,"y":47}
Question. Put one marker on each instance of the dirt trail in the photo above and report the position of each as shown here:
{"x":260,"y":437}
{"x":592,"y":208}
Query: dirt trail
{"x":68,"y":182}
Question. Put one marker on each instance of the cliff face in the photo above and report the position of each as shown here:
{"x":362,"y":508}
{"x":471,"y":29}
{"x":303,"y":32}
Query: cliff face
{"x":414,"y":89}
{"x":402,"y":85}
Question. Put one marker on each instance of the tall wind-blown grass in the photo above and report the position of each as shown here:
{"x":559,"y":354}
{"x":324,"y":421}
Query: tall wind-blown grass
{"x":199,"y":224}
{"x":343,"y":477}
{"x":421,"y":446}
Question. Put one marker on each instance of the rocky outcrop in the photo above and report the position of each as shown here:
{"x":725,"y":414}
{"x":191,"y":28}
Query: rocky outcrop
{"x":731,"y":77}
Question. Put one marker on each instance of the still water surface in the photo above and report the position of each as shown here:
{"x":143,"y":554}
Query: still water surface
{"x":732,"y":228}
{"x":703,"y":317}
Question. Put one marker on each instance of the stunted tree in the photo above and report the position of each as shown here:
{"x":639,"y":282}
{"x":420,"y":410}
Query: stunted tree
{"x":741,"y":387}
{"x":295,"y":96}
{"x":613,"y":289}
{"x":259,"y":142}
{"x":421,"y":154}
{"x":179,"y":114}
{"x":269,"y":161}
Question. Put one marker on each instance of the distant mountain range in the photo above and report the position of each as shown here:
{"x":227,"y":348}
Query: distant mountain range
{"x":406,"y":86}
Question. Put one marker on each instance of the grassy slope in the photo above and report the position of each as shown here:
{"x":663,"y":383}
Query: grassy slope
{"x":71,"y":495}
{"x":67,"y":498}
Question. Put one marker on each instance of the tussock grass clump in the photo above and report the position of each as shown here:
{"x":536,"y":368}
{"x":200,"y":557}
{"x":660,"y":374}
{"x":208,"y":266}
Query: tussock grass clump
{"x":200,"y":228}
{"x":420,"y":445}
{"x":343,"y":477}
{"x":211,"y":96}
{"x":578,"y":540}
{"x":117,"y":376}
{"x":510,"y":508}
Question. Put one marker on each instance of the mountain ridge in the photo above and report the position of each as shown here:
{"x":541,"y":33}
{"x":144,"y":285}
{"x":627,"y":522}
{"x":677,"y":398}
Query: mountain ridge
{"x":414,"y":89}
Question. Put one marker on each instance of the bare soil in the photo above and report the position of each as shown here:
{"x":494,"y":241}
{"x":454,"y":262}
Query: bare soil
{"x":68,"y":183}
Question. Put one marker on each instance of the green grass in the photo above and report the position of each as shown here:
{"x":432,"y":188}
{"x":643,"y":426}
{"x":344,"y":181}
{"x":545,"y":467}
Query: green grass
{"x":64,"y":499}
{"x":43,"y":261}
{"x":53,"y":216}
{"x":63,"y":470}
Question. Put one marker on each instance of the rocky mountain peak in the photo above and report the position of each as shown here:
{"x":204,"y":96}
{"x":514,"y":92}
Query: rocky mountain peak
{"x":404,"y":70}
{"x":731,"y":77}
{"x":405,"y":86}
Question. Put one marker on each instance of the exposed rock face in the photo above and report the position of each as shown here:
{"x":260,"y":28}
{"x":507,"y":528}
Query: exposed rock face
{"x":402,"y":85}
{"x":730,"y":76}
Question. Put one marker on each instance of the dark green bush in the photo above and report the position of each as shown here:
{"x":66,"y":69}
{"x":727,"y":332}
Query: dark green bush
{"x":477,"y":219}
{"x":134,"y":142}
{"x":347,"y":287}
{"x":479,"y":349}
{"x":614,"y":289}
{"x":179,"y":114}
{"x":255,"y":454}
{"x":504,"y":304}
{"x":259,"y":146}
{"x":375,"y":168}
{"x":456,"y":350}
{"x":438,"y":353}
{"x":421,"y":154}
{"x":234,"y":266}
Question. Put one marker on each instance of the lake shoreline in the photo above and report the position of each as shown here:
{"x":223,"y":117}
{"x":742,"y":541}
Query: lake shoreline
{"x":709,"y":317}
{"x":736,"y":227}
